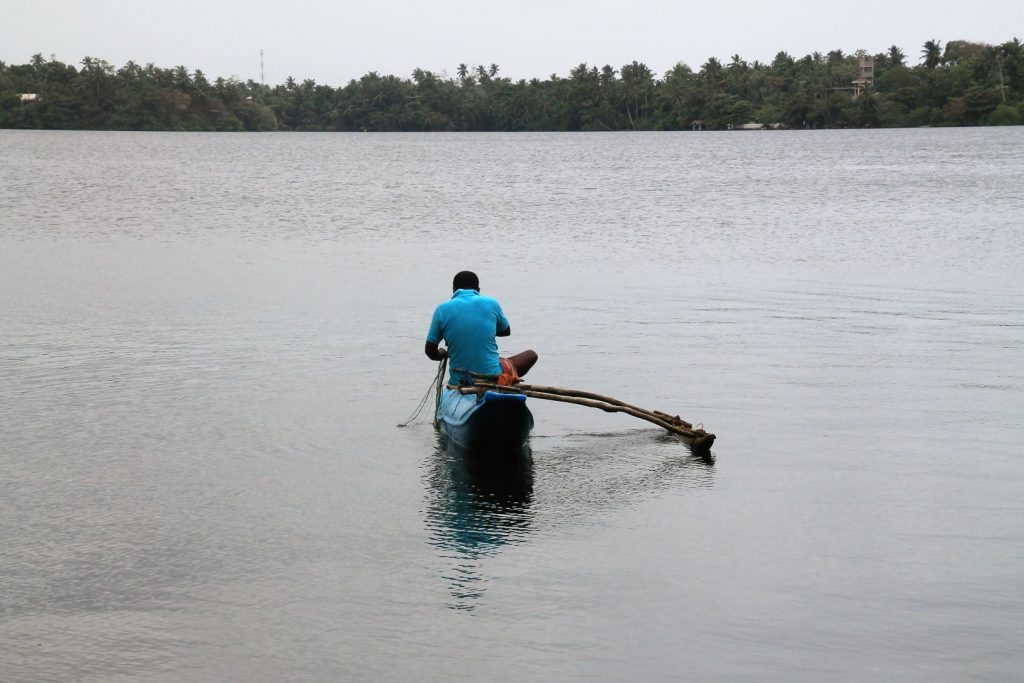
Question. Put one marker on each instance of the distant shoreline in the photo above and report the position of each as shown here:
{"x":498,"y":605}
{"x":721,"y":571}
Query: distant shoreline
{"x":489,"y":132}
{"x":960,"y":84}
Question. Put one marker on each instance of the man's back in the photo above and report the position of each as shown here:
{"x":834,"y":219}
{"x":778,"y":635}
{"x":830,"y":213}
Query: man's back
{"x":468,"y":323}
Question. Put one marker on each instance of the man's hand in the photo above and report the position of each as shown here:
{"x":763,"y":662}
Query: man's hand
{"x":434,"y":353}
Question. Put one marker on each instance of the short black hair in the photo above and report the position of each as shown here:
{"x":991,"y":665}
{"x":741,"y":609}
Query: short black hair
{"x":466,"y":279}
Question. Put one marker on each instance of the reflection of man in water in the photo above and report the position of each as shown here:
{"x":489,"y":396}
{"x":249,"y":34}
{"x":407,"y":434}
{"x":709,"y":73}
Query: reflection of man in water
{"x":469,"y":322}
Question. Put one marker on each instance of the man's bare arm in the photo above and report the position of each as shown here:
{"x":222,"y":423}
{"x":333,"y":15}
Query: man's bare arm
{"x":434,"y":353}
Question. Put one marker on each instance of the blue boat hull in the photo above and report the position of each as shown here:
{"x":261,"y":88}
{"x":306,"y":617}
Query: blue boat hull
{"x":490,"y":420}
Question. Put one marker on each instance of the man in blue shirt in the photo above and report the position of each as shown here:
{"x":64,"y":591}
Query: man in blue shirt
{"x":468,"y":323}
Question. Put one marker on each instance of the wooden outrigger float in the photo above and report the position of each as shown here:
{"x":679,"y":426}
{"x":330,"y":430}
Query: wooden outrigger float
{"x":699,"y":440}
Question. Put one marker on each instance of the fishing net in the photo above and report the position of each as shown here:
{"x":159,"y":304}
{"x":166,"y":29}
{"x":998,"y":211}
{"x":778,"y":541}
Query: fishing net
{"x":435,"y":388}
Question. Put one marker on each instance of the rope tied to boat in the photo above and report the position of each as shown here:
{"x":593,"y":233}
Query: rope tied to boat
{"x":436,"y":387}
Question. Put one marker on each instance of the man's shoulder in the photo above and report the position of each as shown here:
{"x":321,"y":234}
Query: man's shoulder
{"x":489,"y":300}
{"x":476,"y":299}
{"x":446,"y":305}
{"x":478,"y":302}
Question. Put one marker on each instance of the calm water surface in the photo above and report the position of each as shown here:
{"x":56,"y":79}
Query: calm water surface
{"x":206,"y":342}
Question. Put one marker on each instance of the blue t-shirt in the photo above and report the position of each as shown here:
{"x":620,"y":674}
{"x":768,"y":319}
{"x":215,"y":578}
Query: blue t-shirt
{"x":468,"y":323}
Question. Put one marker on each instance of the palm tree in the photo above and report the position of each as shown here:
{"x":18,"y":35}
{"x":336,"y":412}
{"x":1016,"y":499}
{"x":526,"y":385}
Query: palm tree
{"x":607,"y":76}
{"x":783,"y":61}
{"x":423,"y":78}
{"x":466,"y":78}
{"x":896,"y":56}
{"x":130,"y":70}
{"x":711,"y":71}
{"x":931,"y":52}
{"x":182,"y":78}
{"x":637,"y":88}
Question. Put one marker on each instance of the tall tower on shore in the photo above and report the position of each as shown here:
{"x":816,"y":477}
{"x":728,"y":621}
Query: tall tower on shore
{"x":263,"y":81}
{"x":865,"y":73}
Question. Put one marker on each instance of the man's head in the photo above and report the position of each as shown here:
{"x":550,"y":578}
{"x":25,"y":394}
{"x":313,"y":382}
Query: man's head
{"x":466,"y":280}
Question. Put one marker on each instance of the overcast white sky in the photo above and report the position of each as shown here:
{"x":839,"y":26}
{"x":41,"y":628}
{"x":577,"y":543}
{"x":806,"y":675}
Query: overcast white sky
{"x":335,"y":41}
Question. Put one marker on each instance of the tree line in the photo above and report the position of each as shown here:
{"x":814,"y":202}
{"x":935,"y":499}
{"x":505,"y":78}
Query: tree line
{"x":959,"y":84}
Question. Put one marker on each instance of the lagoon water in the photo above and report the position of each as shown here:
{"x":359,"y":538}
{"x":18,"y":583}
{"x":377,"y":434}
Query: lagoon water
{"x":206,"y":341}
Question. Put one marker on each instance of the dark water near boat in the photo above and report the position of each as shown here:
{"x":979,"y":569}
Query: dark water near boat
{"x":206,"y":342}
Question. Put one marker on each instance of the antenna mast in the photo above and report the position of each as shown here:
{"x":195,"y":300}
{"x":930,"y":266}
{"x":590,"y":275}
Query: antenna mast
{"x":263,"y":80}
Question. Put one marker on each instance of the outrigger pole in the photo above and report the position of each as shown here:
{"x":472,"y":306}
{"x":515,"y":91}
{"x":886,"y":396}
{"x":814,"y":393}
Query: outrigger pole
{"x":700,"y":440}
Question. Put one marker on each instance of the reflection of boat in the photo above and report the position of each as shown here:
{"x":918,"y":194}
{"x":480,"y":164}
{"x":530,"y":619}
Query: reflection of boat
{"x":485,"y":420}
{"x":477,"y":504}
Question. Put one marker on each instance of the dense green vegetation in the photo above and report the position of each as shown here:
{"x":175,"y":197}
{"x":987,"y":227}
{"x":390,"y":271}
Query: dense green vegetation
{"x":961,"y":83}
